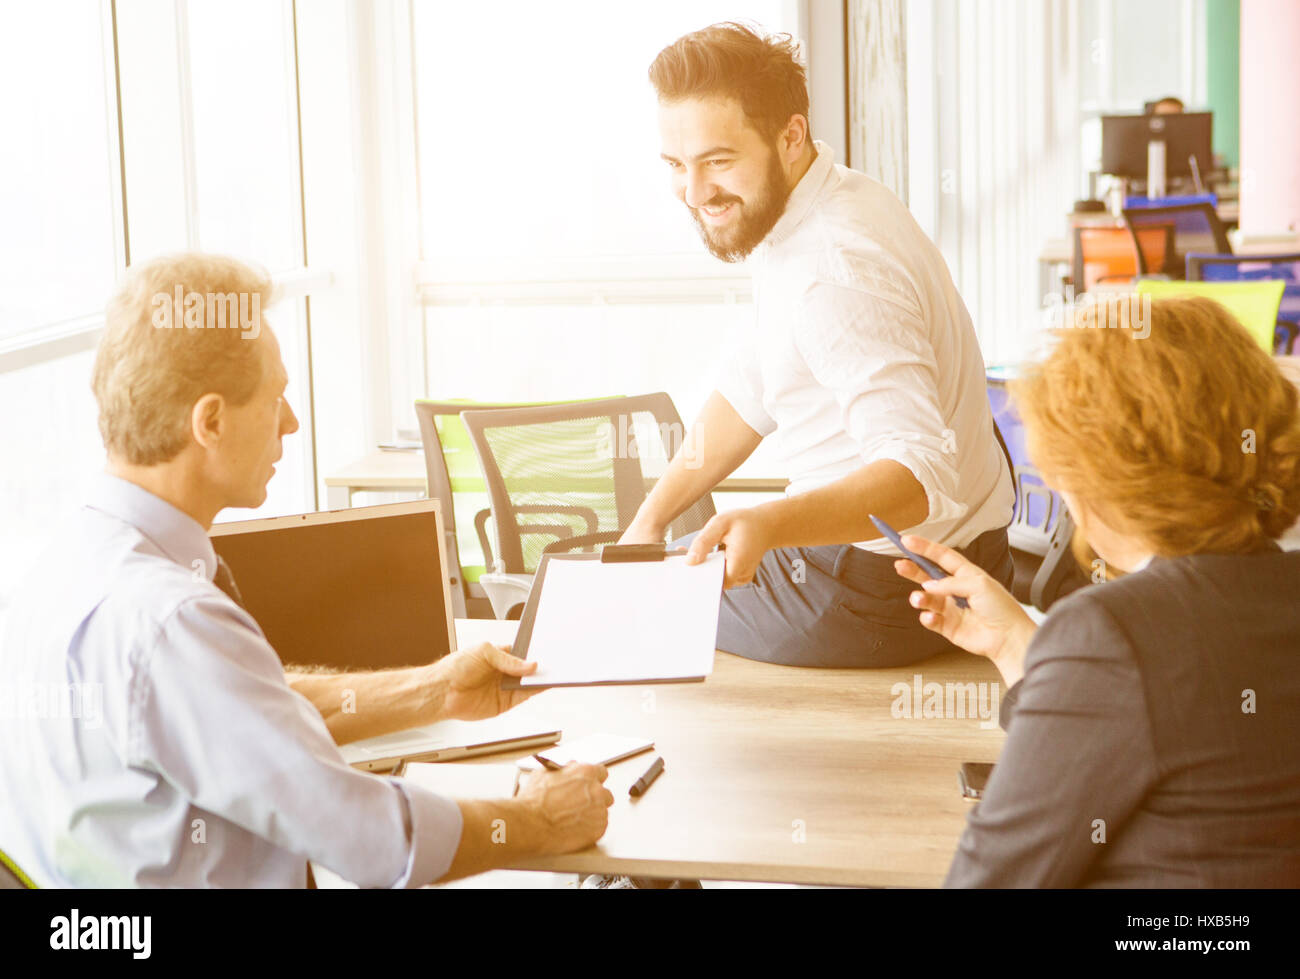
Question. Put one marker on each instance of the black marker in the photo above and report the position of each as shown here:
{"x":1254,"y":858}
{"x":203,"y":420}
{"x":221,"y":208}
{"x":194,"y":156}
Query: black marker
{"x":548,"y":764}
{"x":645,"y":781}
{"x":929,"y":567}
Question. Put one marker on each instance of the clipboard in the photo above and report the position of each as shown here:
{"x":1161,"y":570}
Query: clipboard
{"x":679,"y":618}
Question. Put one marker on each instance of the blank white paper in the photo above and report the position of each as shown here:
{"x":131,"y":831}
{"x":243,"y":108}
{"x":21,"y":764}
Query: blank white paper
{"x":651,"y":620}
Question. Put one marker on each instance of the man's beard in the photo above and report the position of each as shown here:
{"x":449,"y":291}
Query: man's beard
{"x":756,"y":218}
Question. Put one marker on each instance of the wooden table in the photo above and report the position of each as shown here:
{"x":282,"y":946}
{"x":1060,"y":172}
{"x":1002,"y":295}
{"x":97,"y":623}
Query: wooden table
{"x":404,"y":472}
{"x":379,"y":472}
{"x":776,"y":773}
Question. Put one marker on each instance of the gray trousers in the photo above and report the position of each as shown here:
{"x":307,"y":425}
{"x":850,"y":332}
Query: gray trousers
{"x":838,"y":606}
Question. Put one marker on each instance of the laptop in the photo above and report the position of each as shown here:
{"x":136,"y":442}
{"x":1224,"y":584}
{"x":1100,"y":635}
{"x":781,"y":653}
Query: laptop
{"x":363,"y":589}
{"x":446,"y":741}
{"x":359,"y":589}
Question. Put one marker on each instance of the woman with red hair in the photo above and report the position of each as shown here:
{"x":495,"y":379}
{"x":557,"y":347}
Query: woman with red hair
{"x":1153,"y":720}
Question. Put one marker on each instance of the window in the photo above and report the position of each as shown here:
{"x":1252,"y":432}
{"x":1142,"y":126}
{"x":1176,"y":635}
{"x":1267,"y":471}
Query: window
{"x":59,"y":251}
{"x":556,"y":262}
{"x":204,"y":98}
{"x":1002,"y":130}
{"x":58,"y":247}
{"x":537,"y":125}
{"x":212,"y":163}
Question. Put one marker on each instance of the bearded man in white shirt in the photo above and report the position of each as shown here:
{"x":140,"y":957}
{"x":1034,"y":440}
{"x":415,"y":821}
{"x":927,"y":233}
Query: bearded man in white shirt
{"x":862,"y":364}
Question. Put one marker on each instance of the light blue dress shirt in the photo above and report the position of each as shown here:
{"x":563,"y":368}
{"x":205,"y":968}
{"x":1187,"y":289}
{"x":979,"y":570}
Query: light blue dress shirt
{"x":148,"y":736}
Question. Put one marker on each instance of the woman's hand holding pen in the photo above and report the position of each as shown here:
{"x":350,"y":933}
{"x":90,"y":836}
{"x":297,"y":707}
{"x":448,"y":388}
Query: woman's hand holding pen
{"x":994,"y":626}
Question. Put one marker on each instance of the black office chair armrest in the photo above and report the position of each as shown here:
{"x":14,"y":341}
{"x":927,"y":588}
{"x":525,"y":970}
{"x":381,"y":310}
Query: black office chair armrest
{"x":1291,"y":330}
{"x":480,"y":527}
{"x":588,"y":515}
{"x":1059,"y":574}
{"x":583,"y":542}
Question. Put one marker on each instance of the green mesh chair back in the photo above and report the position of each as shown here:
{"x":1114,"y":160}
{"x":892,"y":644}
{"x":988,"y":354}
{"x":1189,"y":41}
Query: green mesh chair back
{"x":571,"y":477}
{"x":1254,"y":304}
{"x":1283,"y":266}
{"x":455,"y":481}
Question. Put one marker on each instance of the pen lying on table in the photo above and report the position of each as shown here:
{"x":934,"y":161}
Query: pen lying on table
{"x":644,"y":782}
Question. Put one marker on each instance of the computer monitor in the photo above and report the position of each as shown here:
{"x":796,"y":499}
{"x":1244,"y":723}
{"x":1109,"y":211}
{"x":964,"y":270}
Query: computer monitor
{"x":1124,"y":142}
{"x":358,"y":589}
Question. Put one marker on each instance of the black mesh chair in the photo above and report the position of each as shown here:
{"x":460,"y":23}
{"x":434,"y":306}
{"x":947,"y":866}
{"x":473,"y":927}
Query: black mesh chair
{"x":1041,"y":526}
{"x":453,"y":474}
{"x":1196,"y":228}
{"x":570,"y":477}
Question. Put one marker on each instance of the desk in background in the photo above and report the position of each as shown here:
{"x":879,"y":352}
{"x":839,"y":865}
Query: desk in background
{"x":404,"y":472}
{"x":775,"y":773}
{"x":1058,"y":252}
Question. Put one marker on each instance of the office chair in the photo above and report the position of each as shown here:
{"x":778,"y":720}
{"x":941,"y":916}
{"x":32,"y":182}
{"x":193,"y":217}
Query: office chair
{"x":1203,"y":267}
{"x":1041,"y":527}
{"x":1112,"y":254}
{"x":453,"y":473}
{"x":567,"y":477}
{"x":1171,"y":200}
{"x":1195,"y":226}
{"x":1255,"y":304}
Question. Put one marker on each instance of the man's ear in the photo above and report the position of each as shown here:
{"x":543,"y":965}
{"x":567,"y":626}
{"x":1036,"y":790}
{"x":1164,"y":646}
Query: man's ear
{"x":794,"y":138}
{"x":208,"y":420}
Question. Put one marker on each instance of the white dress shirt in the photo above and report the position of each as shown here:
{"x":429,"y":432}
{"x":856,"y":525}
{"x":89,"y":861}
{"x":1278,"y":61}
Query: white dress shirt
{"x":148,"y":736}
{"x":862,"y":350}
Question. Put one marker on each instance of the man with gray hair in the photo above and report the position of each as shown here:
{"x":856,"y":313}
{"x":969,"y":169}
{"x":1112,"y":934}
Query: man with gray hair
{"x":207,"y":768}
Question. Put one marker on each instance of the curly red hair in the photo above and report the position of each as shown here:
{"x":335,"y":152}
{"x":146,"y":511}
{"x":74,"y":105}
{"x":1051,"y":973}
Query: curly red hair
{"x":1183,"y":433}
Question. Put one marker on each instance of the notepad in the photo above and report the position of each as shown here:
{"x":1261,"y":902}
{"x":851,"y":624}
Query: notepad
{"x":589,"y":622}
{"x":462,"y":780}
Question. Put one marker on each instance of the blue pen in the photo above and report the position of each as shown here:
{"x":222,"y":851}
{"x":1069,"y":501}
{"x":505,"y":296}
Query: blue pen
{"x":929,"y":567}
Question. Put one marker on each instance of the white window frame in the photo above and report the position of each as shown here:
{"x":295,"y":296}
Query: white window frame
{"x":693,"y":278}
{"x":68,"y":337}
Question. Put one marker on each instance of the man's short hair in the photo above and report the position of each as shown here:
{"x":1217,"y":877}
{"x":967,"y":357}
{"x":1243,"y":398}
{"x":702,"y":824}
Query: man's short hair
{"x":171,"y":335}
{"x":731,"y":60}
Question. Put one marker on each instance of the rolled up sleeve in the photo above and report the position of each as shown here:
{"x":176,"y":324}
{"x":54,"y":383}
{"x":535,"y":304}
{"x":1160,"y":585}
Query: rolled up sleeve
{"x":741,"y":383}
{"x":212,"y":713}
{"x":870,"y":348}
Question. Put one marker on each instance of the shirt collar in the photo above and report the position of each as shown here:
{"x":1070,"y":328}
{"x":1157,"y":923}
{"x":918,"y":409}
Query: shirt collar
{"x":804,"y":195}
{"x":178,"y":535}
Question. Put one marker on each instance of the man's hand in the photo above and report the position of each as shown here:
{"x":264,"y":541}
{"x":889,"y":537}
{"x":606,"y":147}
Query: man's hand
{"x":747,"y":538}
{"x":554,"y":812}
{"x":571,"y":806}
{"x":994,"y":626}
{"x":472,"y":682}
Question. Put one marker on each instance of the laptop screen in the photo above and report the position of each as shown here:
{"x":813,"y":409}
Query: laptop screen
{"x":350,"y":589}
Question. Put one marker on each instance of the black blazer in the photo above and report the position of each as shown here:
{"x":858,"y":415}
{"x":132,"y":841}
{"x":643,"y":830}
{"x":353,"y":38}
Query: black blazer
{"x":1154,"y":740}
